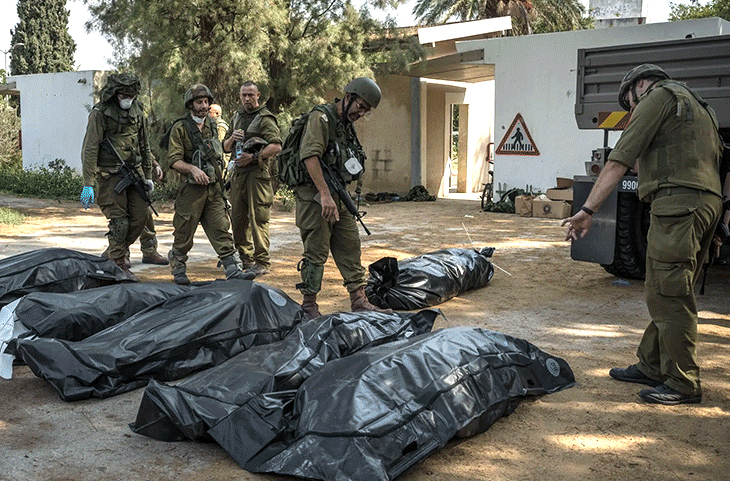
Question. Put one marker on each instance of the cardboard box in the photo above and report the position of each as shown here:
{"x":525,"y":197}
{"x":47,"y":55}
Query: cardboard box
{"x":550,"y":209}
{"x":560,"y":194}
{"x":523,"y":205}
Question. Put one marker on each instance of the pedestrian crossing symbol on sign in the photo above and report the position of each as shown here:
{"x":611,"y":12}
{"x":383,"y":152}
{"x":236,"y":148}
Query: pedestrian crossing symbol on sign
{"x":517,"y":140}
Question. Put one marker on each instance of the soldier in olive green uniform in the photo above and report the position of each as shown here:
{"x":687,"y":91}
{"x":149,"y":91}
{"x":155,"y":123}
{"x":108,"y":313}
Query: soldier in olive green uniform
{"x":251,"y":190}
{"x":674,"y":135}
{"x":195,"y":151}
{"x":119,"y":119}
{"x":325,"y":223}
{"x":148,"y":237}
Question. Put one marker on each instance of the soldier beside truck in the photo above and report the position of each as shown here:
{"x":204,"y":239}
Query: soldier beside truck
{"x":674,"y":143}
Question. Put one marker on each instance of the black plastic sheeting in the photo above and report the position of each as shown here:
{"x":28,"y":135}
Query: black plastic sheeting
{"x":186,"y":333}
{"x":77,"y":315}
{"x":428,"y":280}
{"x":55,"y":270}
{"x":372,"y":415}
{"x":194,"y":405}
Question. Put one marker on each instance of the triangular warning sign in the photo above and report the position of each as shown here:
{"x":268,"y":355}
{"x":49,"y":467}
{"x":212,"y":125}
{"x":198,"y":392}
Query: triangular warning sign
{"x":517,"y":140}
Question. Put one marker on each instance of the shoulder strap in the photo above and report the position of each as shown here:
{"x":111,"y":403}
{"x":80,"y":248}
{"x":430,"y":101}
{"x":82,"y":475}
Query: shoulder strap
{"x":165,"y":140}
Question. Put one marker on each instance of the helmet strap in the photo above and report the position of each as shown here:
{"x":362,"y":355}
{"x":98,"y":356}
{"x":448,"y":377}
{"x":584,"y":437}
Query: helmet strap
{"x":346,"y":108}
{"x":634,"y":97}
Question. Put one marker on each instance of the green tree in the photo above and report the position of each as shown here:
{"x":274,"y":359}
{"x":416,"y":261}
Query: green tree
{"x":296,"y":50}
{"x":43,"y":32}
{"x":536,"y":16}
{"x":714,"y":8}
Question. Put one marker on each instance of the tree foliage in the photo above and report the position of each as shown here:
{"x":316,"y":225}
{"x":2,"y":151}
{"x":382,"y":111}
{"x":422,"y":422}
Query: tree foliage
{"x":295,"y":50}
{"x":715,"y":8}
{"x":43,"y":32}
{"x":10,"y":156}
{"x":536,"y":16}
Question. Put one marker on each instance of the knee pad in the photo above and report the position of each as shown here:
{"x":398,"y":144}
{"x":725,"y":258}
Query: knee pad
{"x":118,"y":228}
{"x":311,"y":277}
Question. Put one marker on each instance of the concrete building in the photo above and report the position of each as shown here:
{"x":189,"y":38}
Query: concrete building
{"x":535,"y":79}
{"x":54,"y":108}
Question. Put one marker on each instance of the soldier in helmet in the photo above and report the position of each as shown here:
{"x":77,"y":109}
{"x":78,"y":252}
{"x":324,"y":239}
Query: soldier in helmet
{"x":195,"y":152}
{"x":673,"y":137}
{"x":119,"y":119}
{"x":324,"y":222}
{"x":256,"y":132}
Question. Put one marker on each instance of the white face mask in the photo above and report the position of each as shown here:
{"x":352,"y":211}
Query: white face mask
{"x":198,"y":120}
{"x":125,"y":104}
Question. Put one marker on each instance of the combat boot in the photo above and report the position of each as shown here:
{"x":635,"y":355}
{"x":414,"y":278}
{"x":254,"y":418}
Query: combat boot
{"x":310,"y":307}
{"x":231,"y":268}
{"x":178,"y":271}
{"x":359,"y":302}
{"x":123,"y":266}
{"x":127,"y":259}
{"x":154,"y":257}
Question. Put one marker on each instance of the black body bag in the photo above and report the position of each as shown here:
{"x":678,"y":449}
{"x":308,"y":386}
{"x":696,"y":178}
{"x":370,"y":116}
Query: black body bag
{"x":224,"y":394}
{"x":372,"y":415}
{"x":195,"y":330}
{"x":428,"y":280}
{"x":55,"y":270}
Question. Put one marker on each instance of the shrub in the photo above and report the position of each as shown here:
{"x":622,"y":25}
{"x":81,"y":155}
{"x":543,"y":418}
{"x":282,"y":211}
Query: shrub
{"x":57,"y":181}
{"x":10,"y":156}
{"x":10,"y":216}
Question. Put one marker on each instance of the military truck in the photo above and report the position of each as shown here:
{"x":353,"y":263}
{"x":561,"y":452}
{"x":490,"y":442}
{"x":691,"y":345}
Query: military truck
{"x":617,"y":239}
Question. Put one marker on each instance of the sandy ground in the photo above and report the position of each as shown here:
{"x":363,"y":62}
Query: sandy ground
{"x":598,"y":430}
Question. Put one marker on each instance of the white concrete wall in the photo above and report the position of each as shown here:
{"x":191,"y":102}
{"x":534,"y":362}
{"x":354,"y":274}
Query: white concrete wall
{"x":535,"y":76}
{"x":54,"y":110}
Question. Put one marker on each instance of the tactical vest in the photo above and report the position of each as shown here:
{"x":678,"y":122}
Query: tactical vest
{"x":686,"y":150}
{"x":124,"y":128}
{"x":343,"y":143}
{"x":207,"y":153}
{"x":250,"y":123}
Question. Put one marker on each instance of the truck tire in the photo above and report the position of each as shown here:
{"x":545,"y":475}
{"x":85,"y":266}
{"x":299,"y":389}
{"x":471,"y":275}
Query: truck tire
{"x":632,"y":225}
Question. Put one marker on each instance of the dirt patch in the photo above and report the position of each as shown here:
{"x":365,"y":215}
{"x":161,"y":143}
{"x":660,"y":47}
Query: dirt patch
{"x":597,"y":430}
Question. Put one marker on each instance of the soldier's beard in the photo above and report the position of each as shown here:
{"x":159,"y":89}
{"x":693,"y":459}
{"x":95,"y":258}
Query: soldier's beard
{"x":199,"y":115}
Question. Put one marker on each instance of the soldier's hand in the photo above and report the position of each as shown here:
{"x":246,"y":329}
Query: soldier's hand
{"x":158,"y":172}
{"x":238,"y":134}
{"x":244,"y":159}
{"x":578,"y":225}
{"x":199,"y":176}
{"x":329,"y":208}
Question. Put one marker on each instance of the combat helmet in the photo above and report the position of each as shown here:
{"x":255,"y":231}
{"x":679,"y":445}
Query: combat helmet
{"x":366,"y":89}
{"x":636,"y":74}
{"x":254,"y":144}
{"x":195,"y":92}
{"x":123,"y":83}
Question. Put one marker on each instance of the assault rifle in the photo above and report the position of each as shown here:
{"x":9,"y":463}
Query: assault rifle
{"x":337,"y":186}
{"x":130,"y":176}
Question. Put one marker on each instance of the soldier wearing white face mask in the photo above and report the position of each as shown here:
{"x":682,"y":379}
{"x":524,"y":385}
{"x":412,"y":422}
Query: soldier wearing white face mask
{"x":117,"y":121}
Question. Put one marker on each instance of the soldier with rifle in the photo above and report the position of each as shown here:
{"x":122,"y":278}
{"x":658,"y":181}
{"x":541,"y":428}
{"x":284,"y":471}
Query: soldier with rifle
{"x":195,"y":152}
{"x":331,"y":152}
{"x":116,"y":138}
